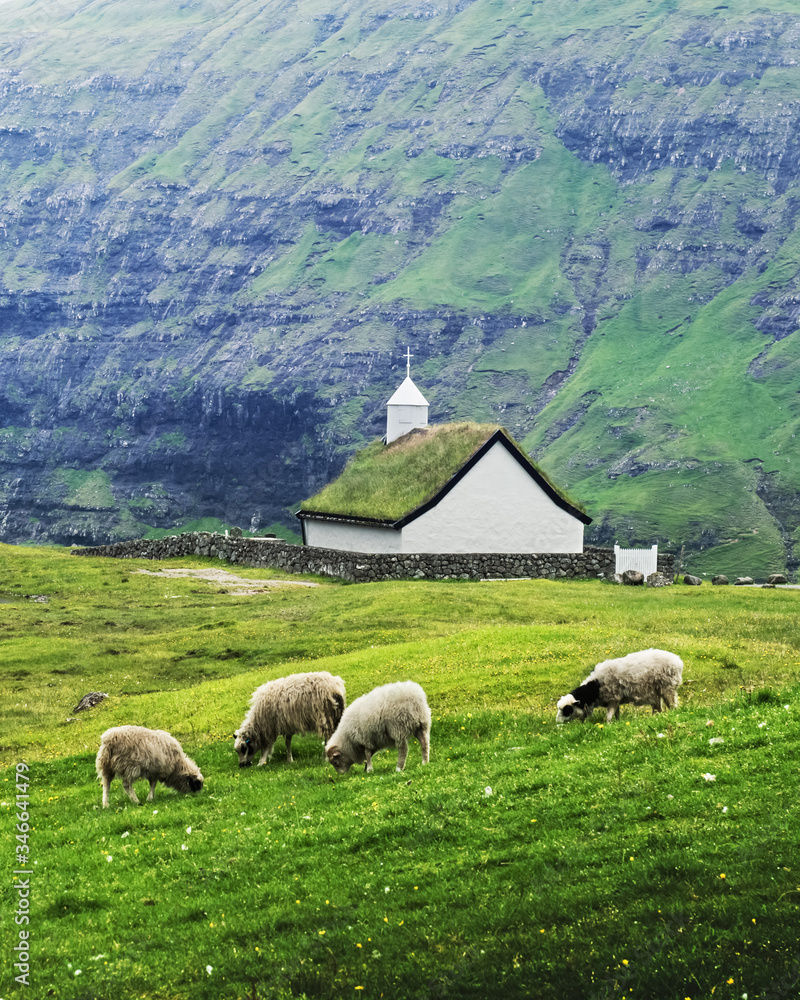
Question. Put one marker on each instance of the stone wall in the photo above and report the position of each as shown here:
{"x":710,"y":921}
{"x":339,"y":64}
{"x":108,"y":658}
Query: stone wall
{"x":359,"y":567}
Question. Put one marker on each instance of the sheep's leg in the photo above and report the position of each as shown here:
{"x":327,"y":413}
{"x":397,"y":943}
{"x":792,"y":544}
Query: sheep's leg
{"x":106,"y":785}
{"x":656,"y":706}
{"x":402,"y":753}
{"x":127,"y":784}
{"x":368,"y":759}
{"x":423,"y":735}
{"x":612,"y":713}
{"x":289,"y":758}
{"x":267,"y":753}
{"x":153,"y":782}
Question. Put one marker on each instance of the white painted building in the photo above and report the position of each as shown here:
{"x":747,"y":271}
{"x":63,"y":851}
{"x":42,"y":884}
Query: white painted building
{"x":479,"y":493}
{"x":497,"y":501}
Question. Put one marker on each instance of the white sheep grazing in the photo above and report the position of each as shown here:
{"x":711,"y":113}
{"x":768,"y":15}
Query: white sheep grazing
{"x":386,"y":717}
{"x":297,"y":704}
{"x":133,"y":752}
{"x":642,"y":678}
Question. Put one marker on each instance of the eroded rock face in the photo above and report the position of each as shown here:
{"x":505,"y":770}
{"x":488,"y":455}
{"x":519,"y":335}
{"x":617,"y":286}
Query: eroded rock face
{"x":205,"y":317}
{"x":606,"y":116}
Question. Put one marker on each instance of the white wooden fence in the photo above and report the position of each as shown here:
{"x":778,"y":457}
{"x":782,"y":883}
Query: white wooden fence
{"x":644,"y":560}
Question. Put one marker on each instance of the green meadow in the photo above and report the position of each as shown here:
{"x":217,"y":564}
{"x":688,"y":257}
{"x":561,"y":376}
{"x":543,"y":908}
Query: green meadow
{"x":656,"y":857}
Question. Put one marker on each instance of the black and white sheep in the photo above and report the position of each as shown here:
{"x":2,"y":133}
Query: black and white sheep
{"x":134,"y":752}
{"x":642,"y":678}
{"x":297,"y":704}
{"x":385,"y":717}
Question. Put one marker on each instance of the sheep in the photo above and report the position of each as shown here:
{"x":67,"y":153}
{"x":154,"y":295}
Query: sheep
{"x":385,"y":717}
{"x":133,"y":752}
{"x":297,"y":704}
{"x":642,"y":678}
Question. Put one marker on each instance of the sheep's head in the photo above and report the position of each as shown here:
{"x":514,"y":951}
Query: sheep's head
{"x":246,"y":745}
{"x":570,"y":709}
{"x":188,"y":781}
{"x":341,"y":763}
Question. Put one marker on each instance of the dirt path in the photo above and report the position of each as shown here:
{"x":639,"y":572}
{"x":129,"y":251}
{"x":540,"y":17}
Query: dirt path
{"x":243,"y":585}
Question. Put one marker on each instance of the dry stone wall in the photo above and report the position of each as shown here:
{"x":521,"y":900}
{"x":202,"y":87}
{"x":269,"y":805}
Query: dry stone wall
{"x":359,"y":567}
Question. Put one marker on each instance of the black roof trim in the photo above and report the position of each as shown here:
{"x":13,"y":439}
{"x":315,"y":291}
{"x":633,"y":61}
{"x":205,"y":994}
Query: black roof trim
{"x":500,"y":437}
{"x":319,"y":515}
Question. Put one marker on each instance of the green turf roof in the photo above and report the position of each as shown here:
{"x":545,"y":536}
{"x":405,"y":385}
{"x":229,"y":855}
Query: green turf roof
{"x":387,"y":482}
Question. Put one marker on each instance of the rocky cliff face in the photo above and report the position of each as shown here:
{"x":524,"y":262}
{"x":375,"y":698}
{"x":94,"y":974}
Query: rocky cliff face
{"x":222,"y":228}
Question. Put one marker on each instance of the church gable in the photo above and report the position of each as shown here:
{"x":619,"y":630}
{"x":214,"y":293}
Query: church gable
{"x":530,"y":479}
{"x":497,"y":503}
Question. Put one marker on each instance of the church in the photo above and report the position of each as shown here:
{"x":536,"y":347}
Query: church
{"x":446,"y":488}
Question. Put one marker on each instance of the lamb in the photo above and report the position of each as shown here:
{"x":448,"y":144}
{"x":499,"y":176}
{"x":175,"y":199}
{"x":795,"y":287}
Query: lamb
{"x":385,"y":717}
{"x":133,"y":752}
{"x":642,"y":678}
{"x":297,"y":704}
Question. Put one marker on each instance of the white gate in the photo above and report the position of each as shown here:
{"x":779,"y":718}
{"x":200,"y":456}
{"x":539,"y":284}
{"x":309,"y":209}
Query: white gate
{"x":643,"y":560}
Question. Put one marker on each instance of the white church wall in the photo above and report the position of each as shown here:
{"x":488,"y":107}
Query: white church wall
{"x":351,"y":537}
{"x":495,"y":507}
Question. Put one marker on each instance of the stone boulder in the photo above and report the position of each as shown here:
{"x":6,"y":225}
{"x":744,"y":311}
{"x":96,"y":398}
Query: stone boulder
{"x":776,"y":578}
{"x":658,"y":580}
{"x":744,"y":581}
{"x":633,"y":578}
{"x":720,"y":581}
{"x":692,"y":581}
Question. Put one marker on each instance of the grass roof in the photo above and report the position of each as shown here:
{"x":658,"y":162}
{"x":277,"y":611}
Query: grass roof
{"x":386,"y":482}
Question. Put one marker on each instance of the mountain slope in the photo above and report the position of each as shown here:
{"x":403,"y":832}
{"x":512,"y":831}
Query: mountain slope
{"x":226,"y":220}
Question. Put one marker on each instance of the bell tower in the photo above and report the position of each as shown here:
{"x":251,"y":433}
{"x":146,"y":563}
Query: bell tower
{"x":407,"y":408}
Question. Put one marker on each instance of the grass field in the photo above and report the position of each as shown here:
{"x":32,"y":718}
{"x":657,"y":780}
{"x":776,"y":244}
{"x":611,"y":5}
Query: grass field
{"x":657,"y":857}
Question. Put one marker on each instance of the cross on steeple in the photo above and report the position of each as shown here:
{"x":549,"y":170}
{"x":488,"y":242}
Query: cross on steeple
{"x":408,"y":357}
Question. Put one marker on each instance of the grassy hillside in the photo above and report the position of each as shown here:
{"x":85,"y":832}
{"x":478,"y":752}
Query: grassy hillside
{"x":225,"y":223}
{"x":656,"y":856}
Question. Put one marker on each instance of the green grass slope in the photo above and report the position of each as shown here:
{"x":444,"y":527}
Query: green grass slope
{"x":654,"y":857}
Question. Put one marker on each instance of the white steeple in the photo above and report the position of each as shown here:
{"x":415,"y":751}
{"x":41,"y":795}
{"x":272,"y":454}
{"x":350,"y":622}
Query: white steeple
{"x":407,"y":408}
